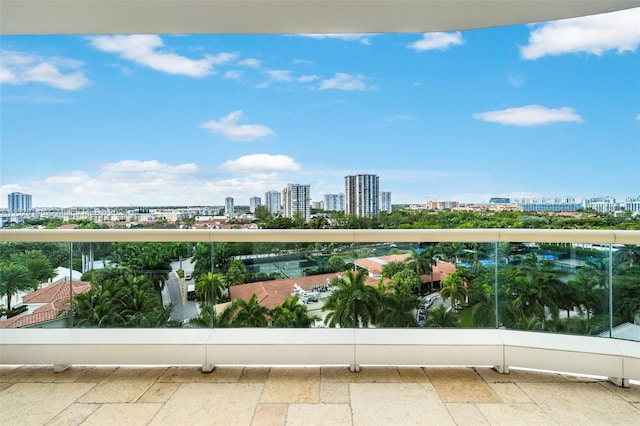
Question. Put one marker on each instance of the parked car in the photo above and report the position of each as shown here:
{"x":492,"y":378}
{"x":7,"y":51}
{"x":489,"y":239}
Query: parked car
{"x":187,"y":276}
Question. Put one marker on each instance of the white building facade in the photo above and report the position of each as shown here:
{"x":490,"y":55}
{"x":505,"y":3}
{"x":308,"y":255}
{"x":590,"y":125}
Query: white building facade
{"x":253,"y":203}
{"x":334,"y":202}
{"x":19,"y":202}
{"x":229,"y":209}
{"x":296,"y":198}
{"x":385,"y":202}
{"x":362,"y":195}
{"x":273,"y":201}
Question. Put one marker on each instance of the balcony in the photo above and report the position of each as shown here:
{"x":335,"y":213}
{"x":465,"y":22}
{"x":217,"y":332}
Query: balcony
{"x":294,"y":376}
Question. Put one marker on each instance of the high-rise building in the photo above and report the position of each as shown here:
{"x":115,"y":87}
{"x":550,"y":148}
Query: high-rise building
{"x":19,"y":202}
{"x":362,"y":196}
{"x":273,"y":202}
{"x":228,"y":207}
{"x":602,"y":204}
{"x":632,"y":204}
{"x":296,"y":198}
{"x":253,"y":203}
{"x":334,"y":202}
{"x":385,"y":202}
{"x":548,"y":204}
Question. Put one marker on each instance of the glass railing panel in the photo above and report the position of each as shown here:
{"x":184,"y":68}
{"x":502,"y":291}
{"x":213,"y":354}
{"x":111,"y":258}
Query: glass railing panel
{"x":559,"y":287}
{"x":625,"y":260}
{"x":35,"y":281}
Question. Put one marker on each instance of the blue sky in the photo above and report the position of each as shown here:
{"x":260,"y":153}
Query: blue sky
{"x":544,"y":109}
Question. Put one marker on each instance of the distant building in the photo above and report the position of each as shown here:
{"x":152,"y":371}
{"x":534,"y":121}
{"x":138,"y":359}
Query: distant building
{"x":441,"y":205}
{"x":362,"y":195}
{"x":334,"y":202}
{"x":632,"y":204}
{"x":548,"y":204}
{"x":273,"y":202}
{"x":385,"y":202}
{"x":499,"y":200}
{"x":318,"y":205}
{"x":253,"y":203}
{"x":602,"y":204}
{"x":19,"y":202}
{"x":228,"y":207}
{"x":296,"y":198}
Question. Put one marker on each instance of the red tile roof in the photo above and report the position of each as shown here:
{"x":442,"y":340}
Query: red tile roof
{"x":55,"y":299}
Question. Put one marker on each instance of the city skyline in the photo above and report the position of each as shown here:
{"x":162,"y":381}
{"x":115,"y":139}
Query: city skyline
{"x":519,"y":111}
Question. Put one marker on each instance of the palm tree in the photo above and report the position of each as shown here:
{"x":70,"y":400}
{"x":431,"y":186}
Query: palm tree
{"x":454,"y":287}
{"x":432,"y":261}
{"x":13,"y":279}
{"x":441,"y":317}
{"x":179,"y":250}
{"x":398,"y":309}
{"x":209,"y":288}
{"x":406,"y":281}
{"x":249,"y":313}
{"x":419,"y":262}
{"x":353,"y":303}
{"x":36,"y":263}
{"x":236,"y":273}
{"x":389,"y":269}
{"x":292,"y":314}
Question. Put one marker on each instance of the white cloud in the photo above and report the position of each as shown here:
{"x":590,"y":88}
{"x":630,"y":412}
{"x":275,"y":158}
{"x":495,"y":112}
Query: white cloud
{"x":302,"y":62}
{"x":437,"y":41}
{"x":361,"y":38}
{"x":260,"y":163}
{"x":149,"y":166}
{"x":144,"y":49}
{"x":250,"y":63}
{"x":638,"y":117}
{"x":307,"y":78}
{"x":233,"y":75}
{"x":400,"y":117}
{"x":343,"y":81}
{"x":597,"y":34}
{"x":228,"y":126}
{"x":62,"y":73}
{"x":530,"y":115}
{"x":279,"y":75}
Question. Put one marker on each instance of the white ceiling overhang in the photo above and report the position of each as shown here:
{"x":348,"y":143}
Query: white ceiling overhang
{"x":283,"y":16}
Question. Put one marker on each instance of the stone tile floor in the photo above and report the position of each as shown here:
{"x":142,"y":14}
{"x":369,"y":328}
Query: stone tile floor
{"x":308,"y":396}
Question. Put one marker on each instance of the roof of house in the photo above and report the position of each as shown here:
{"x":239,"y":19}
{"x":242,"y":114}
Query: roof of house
{"x":55,"y":299}
{"x":374,"y":264}
{"x":272,"y":293}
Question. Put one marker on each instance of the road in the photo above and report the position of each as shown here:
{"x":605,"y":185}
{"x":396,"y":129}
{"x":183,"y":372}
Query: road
{"x":180,"y":311}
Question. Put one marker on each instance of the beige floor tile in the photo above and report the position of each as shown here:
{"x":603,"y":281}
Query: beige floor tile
{"x":334,"y":393}
{"x":42,"y":374}
{"x":288,"y":391}
{"x":254,"y":375}
{"x":509,"y":392}
{"x":460,"y":385}
{"x":195,"y":375}
{"x":412,"y":375}
{"x":270,"y":415}
{"x":365,"y":375}
{"x":159,"y":392}
{"x":397,"y":404}
{"x":466,"y":414}
{"x":96,"y":374}
{"x":211,"y":404}
{"x":319,"y":415}
{"x":515,"y":376}
{"x":515,"y":414}
{"x":123,"y":414}
{"x":4,"y":386}
{"x":37,"y":403}
{"x":125,"y":385}
{"x":585,"y":403}
{"x":630,"y":394}
{"x":73,"y":415}
{"x":294,"y":374}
